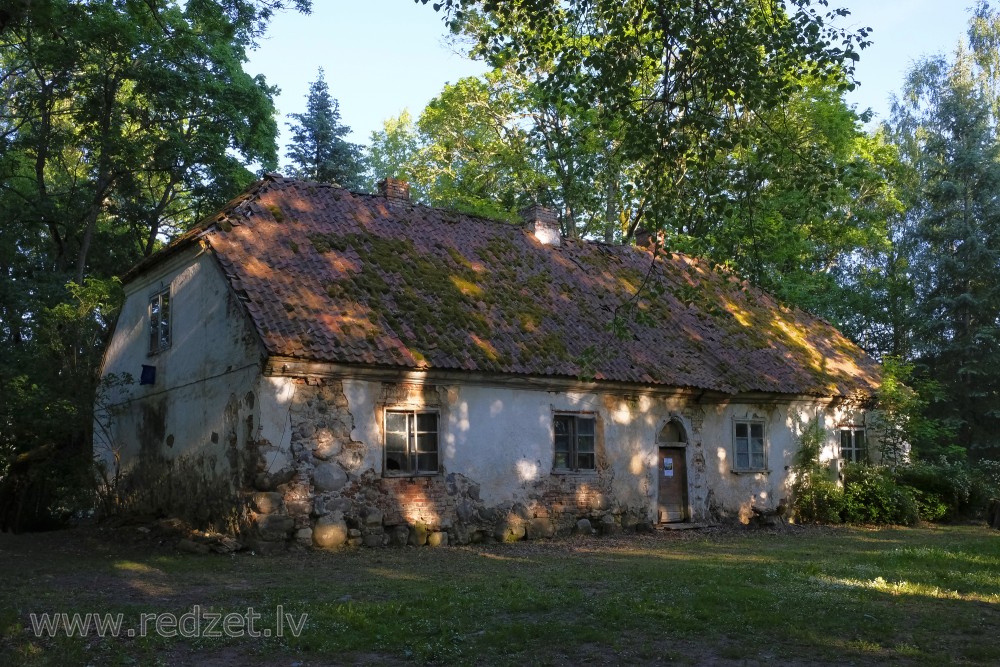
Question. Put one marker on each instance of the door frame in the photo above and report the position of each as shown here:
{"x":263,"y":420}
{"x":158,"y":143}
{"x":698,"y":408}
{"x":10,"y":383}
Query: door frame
{"x":681,"y":446}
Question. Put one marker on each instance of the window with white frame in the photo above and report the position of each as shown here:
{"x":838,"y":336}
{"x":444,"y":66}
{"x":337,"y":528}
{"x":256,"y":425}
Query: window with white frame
{"x":853,"y":444}
{"x":749,"y":445}
{"x":159,"y":321}
{"x":411,"y":442}
{"x":575,"y":442}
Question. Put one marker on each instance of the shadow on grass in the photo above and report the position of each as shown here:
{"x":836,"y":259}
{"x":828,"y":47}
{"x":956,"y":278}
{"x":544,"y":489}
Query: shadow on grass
{"x":827,"y":595}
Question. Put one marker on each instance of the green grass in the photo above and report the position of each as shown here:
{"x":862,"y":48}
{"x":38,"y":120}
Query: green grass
{"x":844,"y":595}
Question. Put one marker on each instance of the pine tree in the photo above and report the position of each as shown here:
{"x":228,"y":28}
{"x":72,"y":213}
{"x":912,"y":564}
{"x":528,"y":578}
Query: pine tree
{"x":947,"y":130}
{"x":318,"y":150}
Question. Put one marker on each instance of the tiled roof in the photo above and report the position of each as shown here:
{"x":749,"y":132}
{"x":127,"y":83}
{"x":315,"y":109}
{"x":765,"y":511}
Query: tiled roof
{"x":332,"y":276}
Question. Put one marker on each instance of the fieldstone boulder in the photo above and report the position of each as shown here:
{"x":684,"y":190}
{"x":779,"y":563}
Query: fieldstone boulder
{"x":342,"y":505}
{"x":267,"y":502}
{"x":539,"y":528}
{"x":609,"y":526}
{"x":327,"y":446}
{"x":329,"y":533}
{"x":398,"y":536}
{"x":437,"y":539}
{"x":510,"y":532}
{"x":274,"y":527}
{"x":269,"y":481}
{"x":584,"y":527}
{"x":329,"y":477}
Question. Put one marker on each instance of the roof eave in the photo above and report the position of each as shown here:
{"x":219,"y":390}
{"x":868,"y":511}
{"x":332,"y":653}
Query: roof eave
{"x":282,"y":366}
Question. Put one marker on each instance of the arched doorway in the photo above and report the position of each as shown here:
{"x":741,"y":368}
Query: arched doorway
{"x":671,"y":500}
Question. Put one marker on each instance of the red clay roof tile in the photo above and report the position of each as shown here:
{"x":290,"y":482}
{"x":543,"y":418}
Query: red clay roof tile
{"x":333,"y":276}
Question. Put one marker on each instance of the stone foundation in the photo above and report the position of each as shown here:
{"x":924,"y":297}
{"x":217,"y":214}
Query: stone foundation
{"x":328,"y":499}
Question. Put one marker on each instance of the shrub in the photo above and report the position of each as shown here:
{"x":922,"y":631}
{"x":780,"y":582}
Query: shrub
{"x":871,"y":495}
{"x":949,"y":489}
{"x":985,"y":486}
{"x":815,"y":497}
{"x":819,"y":501}
{"x":942,"y":489}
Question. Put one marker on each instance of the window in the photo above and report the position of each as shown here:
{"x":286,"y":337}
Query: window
{"x":411,"y":442}
{"x":748,"y":445}
{"x":159,"y":322}
{"x":574,"y":443}
{"x":853,"y":446}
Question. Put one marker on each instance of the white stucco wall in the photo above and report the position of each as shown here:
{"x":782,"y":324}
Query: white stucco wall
{"x":186,"y":433}
{"x":501,"y":438}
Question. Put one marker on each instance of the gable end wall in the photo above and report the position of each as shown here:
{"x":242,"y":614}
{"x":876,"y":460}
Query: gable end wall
{"x":186,"y":443}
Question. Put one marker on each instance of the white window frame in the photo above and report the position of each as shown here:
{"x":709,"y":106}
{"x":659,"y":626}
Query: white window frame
{"x":573,"y":453}
{"x":749,"y":425}
{"x":160,"y":332}
{"x":411,"y":456}
{"x":855,"y":453}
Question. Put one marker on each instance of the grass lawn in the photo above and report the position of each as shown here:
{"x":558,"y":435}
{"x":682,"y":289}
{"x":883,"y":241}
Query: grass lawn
{"x":721,"y":596}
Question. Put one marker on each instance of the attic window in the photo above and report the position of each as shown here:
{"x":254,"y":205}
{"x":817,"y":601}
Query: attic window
{"x":411,"y":442}
{"x":159,"y":321}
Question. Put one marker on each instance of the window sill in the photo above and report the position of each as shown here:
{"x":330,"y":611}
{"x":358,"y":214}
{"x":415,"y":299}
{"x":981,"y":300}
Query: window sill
{"x":759,"y":471}
{"x":409,"y":475}
{"x":581,"y":473}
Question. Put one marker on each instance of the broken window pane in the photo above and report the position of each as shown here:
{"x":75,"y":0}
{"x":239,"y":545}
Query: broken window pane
{"x":411,"y":442}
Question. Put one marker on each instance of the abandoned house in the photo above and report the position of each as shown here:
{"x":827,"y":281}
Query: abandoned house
{"x":326,"y":367}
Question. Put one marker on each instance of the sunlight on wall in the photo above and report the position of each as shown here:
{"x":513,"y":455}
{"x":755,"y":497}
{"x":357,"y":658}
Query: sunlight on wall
{"x":622,"y":414}
{"x":527,"y":471}
{"x":415,"y":506}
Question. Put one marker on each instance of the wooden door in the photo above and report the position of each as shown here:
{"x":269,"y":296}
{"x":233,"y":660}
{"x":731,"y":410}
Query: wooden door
{"x":672,"y":497}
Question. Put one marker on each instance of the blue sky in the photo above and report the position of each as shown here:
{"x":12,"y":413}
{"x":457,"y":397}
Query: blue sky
{"x":381,"y":56}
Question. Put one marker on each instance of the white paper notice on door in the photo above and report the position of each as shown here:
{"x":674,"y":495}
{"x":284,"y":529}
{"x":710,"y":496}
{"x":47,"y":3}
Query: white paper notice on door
{"x":668,"y":467}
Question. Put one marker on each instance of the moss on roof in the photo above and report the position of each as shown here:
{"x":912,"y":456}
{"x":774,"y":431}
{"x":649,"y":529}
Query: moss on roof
{"x":335,"y":276}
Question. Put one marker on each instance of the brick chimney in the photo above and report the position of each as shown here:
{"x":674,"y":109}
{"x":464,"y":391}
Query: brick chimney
{"x":395,"y":189}
{"x":649,"y":240}
{"x":542,"y":222}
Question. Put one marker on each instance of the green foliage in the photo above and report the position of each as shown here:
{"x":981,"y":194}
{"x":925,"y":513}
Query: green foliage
{"x":872,"y":496}
{"x":945,"y":125}
{"x":746,"y":154}
{"x":121,"y":125}
{"x":319,"y":150}
{"x":816,"y":498}
{"x":394,"y":153}
{"x":899,"y":420}
{"x":942,"y":490}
